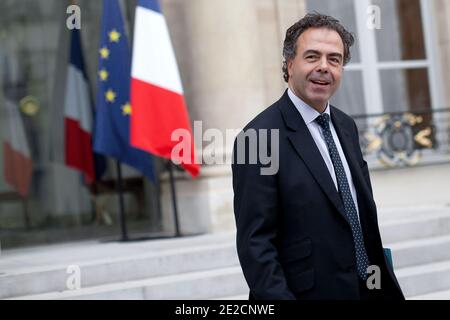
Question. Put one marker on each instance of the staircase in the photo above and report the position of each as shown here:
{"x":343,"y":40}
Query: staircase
{"x":206,"y":267}
{"x":420,"y":241}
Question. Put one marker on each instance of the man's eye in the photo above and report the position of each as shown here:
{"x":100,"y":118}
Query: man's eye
{"x":335,"y":60}
{"x":311,"y":57}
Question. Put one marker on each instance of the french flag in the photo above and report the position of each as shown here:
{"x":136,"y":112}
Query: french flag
{"x":156,"y":90}
{"x":17,"y":161}
{"x":17,"y":164}
{"x":78,"y":114}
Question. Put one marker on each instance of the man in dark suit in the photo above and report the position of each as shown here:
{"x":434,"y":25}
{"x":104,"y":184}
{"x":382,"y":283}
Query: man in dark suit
{"x":310,"y":229}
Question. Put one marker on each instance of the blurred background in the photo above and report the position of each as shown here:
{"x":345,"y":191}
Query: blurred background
{"x":229,"y":56}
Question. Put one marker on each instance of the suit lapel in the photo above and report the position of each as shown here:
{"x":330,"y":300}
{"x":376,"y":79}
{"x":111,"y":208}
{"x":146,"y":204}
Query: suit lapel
{"x":355,"y":168}
{"x":304,"y":145}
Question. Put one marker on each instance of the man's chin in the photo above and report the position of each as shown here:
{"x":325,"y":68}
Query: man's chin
{"x":318,"y":104}
{"x":319,"y":99}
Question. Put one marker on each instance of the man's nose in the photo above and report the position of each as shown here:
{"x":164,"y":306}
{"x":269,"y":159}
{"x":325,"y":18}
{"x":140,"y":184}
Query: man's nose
{"x":323,"y":65}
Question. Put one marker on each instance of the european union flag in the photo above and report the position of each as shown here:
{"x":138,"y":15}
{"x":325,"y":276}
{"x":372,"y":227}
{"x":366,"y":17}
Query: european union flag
{"x":113,"y":109}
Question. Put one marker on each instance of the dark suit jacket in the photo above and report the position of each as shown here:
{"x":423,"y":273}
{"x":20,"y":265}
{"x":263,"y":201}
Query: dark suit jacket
{"x":293,"y":239}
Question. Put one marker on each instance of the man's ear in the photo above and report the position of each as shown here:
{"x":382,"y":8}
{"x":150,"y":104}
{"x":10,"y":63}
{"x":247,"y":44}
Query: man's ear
{"x":289,"y":64}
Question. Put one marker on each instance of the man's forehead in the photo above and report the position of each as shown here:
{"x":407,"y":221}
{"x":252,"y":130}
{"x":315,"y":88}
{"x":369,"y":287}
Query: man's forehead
{"x":320,"y":39}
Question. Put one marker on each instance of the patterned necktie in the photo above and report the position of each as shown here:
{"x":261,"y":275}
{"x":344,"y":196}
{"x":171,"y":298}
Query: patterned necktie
{"x":362,"y":259}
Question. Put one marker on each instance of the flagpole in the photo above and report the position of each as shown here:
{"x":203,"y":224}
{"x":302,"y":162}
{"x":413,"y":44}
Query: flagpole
{"x":174,"y":200}
{"x":123,"y":221}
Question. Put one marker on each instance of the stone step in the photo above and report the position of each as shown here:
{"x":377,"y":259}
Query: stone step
{"x":115,"y":270}
{"x":440,"y":295}
{"x":402,"y":213}
{"x":427,"y":281}
{"x":194,"y":285}
{"x":192,"y":267}
{"x":229,"y":283}
{"x":97,"y":273}
{"x":424,"y":279}
{"x":420,"y":226}
{"x":420,"y":251}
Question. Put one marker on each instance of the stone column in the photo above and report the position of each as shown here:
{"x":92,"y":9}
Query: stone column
{"x":218,"y":50}
{"x":441,"y":10}
{"x":229,"y":54}
{"x":441,"y":26}
{"x":274,"y":17}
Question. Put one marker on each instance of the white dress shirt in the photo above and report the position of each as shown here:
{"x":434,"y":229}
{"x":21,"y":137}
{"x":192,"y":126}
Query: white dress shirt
{"x":309,"y":114}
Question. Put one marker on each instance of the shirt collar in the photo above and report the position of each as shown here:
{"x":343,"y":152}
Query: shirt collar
{"x":309,"y":114}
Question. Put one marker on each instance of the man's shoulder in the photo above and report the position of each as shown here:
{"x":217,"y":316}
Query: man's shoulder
{"x":341,"y":115}
{"x":269,"y":118}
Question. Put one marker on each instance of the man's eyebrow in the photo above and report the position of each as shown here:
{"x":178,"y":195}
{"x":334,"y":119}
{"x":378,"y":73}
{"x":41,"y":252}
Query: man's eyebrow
{"x":333,"y":54}
{"x":310,"y":51}
{"x":336,"y":54}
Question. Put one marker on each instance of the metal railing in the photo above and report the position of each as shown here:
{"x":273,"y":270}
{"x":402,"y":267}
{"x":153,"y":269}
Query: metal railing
{"x":405,"y":139}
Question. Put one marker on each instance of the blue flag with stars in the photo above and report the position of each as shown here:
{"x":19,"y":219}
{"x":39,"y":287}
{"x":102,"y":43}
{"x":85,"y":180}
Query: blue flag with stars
{"x":112,"y":121}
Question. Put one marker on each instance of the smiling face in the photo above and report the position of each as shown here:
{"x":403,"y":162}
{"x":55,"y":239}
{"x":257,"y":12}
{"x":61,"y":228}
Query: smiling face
{"x":315,"y":72}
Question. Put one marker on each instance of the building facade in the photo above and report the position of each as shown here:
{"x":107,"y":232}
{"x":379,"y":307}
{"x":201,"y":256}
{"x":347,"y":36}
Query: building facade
{"x":229,"y":55}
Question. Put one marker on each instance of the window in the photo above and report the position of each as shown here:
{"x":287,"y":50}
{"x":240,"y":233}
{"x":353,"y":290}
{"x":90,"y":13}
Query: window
{"x":52,"y":203}
{"x":391,"y":68}
{"x":350,"y":97}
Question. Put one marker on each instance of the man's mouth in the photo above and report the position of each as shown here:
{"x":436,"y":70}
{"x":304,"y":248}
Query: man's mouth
{"x":320,"y":82}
